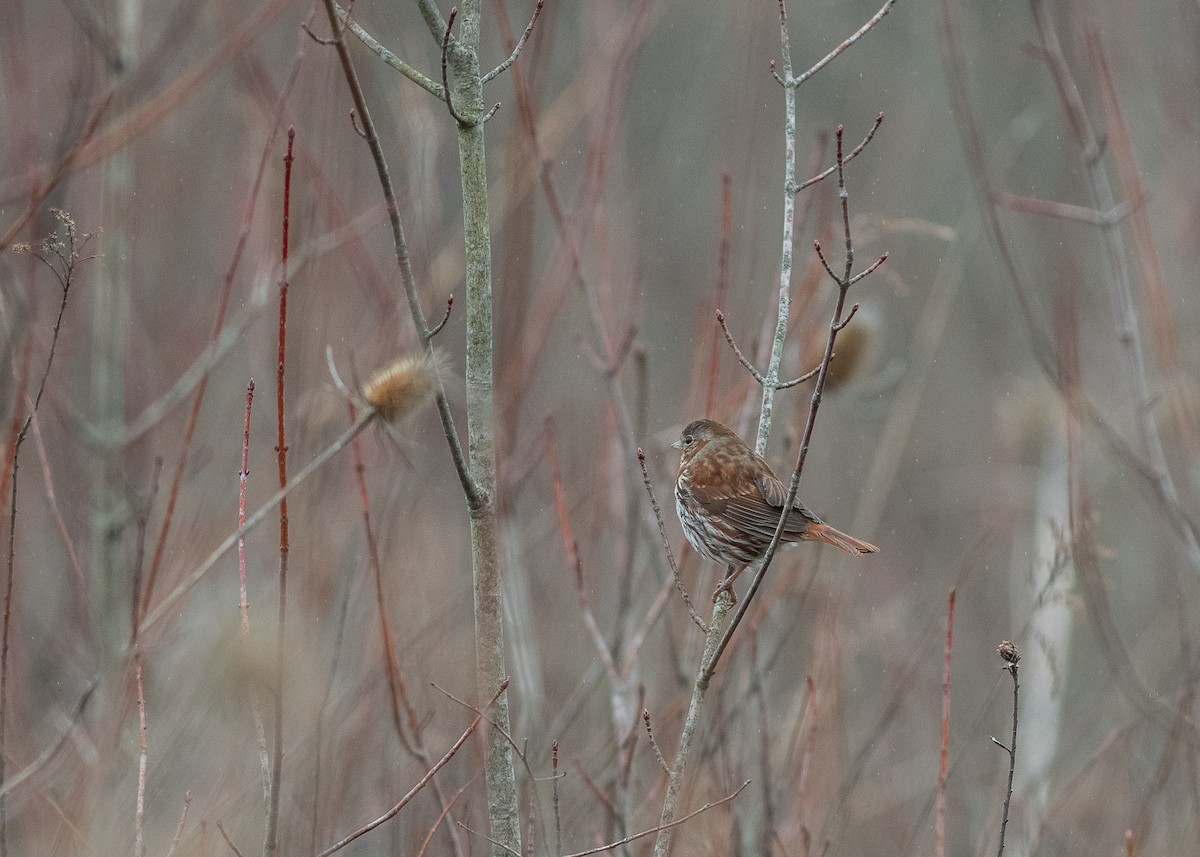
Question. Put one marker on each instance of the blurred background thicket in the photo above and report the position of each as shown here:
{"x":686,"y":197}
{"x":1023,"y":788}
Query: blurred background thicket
{"x":948,"y":446}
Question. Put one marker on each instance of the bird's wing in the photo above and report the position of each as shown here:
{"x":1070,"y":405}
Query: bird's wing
{"x":752,"y":507}
{"x":772,"y":491}
{"x":756,"y":511}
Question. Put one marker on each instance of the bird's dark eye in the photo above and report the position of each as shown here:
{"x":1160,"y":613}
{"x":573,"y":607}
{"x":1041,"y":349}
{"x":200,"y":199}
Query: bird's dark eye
{"x":688,"y":440}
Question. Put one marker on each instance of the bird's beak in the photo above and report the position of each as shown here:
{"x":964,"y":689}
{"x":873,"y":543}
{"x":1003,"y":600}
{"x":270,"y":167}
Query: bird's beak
{"x":677,"y":444}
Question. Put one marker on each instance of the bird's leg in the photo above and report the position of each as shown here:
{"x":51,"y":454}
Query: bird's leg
{"x":731,"y":574}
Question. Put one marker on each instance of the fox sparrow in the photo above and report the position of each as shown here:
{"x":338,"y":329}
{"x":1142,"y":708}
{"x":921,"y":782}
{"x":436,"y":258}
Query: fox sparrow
{"x":729,"y":501}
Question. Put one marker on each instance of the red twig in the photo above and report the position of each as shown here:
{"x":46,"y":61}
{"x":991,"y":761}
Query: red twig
{"x":271,"y":845}
{"x":940,"y":817}
{"x":243,"y":600}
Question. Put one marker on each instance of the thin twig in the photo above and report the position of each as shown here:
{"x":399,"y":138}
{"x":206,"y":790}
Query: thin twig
{"x":654,"y":744}
{"x":653,"y":830}
{"x":397,"y":690}
{"x":264,"y":757}
{"x":52,"y":499}
{"x":271,"y":843}
{"x":836,"y":323}
{"x":390,"y":663}
{"x":462,"y":123}
{"x":1011,"y":658}
{"x":519,"y":751}
{"x":441,"y":763}
{"x":221,"y":338}
{"x":507,"y":848}
{"x":940,"y":814}
{"x":437,"y":328}
{"x":139,"y":817}
{"x":164,"y":606}
{"x":826,"y":173}
{"x":557,"y":813}
{"x":870,"y":269}
{"x":228,"y":841}
{"x":793,"y":82}
{"x":754,"y":373}
{"x":717,"y":638}
{"x":187,"y":802}
{"x":573,"y":559}
{"x":343,"y":17}
{"x":320,"y":40}
{"x":243,"y":475}
{"x":449,"y":804}
{"x":46,"y":755}
{"x":662,"y":532}
{"x":516,"y":52}
{"x":1120,"y":284}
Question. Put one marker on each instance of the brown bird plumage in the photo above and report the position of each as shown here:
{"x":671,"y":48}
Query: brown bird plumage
{"x":729,"y":501}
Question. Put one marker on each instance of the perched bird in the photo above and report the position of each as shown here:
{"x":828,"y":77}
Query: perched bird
{"x":729,"y":502}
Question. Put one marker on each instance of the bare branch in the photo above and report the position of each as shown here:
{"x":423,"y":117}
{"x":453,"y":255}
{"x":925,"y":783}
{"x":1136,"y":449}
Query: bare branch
{"x":869,"y":270}
{"x":438,"y":327}
{"x":389,"y":58}
{"x":441,"y":763}
{"x":662,"y":762}
{"x":1011,"y":658}
{"x":187,"y":802}
{"x":845,"y":321}
{"x":811,"y":373}
{"x":737,"y":351}
{"x":228,"y":841}
{"x":854,"y":37}
{"x":826,"y":173}
{"x":653,"y":830}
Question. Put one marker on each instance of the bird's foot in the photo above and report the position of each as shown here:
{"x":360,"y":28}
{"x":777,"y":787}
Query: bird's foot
{"x":726,"y":586}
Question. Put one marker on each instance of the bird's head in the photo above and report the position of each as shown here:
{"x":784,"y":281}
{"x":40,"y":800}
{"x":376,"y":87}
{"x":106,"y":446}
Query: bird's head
{"x":699,"y":434}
